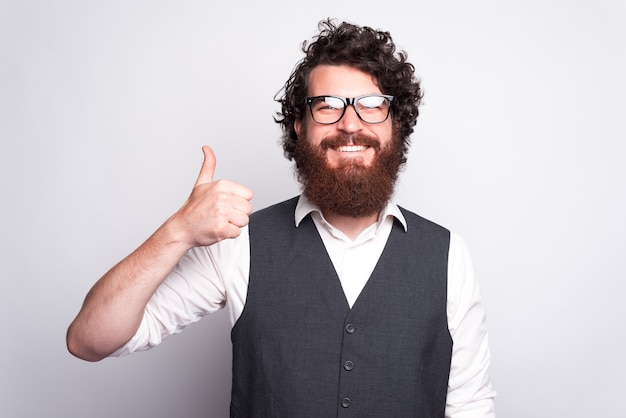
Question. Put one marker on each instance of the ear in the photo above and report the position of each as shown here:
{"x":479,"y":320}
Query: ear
{"x":298,"y":126}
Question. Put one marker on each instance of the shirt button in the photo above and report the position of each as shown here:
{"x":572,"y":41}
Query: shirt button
{"x":345,"y":402}
{"x":350,"y":329}
{"x":348,"y":365}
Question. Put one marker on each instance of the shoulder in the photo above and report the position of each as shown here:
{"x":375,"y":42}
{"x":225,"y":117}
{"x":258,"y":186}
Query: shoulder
{"x":421,"y":224}
{"x":284,"y":208}
{"x":272,"y":219}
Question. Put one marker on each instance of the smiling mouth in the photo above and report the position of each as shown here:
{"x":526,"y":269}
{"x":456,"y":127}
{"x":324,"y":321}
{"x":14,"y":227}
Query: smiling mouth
{"x":351,"y":148}
{"x":350,"y":144}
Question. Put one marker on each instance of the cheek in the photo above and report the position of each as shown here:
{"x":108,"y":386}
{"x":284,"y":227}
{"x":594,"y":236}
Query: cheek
{"x":390,"y":126}
{"x":384,"y":135}
{"x":305,"y":130}
{"x":316,"y":134}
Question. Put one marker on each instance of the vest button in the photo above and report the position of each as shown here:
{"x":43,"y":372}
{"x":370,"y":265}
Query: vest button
{"x":348,"y":365}
{"x":350,"y":329}
{"x":345,"y":402}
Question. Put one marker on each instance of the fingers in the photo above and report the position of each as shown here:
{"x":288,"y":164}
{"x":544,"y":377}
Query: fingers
{"x":241,"y":209}
{"x":238,"y":219}
{"x":235,"y":219}
{"x":214,"y":212}
{"x":208,"y":166}
{"x":243,"y":192}
{"x":230,"y":201}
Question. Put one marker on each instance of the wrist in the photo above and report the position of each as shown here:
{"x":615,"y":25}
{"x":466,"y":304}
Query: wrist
{"x":174,"y":234}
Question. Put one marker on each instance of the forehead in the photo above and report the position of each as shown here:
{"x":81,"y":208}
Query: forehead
{"x":341,"y":80}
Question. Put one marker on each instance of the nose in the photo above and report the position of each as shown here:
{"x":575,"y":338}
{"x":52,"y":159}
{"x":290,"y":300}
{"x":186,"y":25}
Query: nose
{"x":350,"y":122}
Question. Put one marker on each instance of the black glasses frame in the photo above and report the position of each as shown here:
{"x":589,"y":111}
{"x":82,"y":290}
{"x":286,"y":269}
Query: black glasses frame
{"x":349,"y":101}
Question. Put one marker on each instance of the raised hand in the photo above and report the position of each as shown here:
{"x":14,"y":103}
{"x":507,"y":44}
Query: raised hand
{"x":215,"y":210}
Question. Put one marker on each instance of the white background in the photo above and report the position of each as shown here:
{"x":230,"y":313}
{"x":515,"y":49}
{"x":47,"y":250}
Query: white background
{"x":519,"y":147}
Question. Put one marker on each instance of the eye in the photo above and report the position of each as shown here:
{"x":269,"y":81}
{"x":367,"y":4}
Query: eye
{"x":329,"y":102}
{"x":372,"y":102}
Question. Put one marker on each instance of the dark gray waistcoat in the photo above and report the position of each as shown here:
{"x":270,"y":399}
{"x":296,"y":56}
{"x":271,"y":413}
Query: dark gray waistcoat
{"x":300,"y":351}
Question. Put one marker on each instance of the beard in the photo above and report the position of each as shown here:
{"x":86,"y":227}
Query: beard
{"x":352,"y":188}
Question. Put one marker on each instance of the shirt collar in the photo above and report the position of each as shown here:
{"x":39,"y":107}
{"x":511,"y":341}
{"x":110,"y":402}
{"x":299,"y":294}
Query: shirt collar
{"x":305,"y":206}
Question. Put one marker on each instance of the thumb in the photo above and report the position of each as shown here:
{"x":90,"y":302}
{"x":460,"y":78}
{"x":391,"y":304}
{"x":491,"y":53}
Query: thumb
{"x":208,"y":166}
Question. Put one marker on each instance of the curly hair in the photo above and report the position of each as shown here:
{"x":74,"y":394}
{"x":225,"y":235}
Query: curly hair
{"x":371,"y":51}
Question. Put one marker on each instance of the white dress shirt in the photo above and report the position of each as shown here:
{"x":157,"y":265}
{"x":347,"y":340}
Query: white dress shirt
{"x":209,"y":278}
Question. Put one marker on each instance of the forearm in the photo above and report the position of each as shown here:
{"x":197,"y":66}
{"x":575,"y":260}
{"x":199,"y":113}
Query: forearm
{"x":114,"y":307}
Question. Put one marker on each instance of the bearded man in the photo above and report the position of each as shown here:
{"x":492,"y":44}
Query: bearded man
{"x":342,"y":303}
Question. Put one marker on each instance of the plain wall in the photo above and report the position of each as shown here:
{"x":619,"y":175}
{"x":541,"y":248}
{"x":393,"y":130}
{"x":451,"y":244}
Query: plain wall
{"x":104,"y":106}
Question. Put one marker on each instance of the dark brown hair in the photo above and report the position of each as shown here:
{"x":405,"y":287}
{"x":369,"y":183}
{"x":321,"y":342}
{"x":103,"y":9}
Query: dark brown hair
{"x":371,"y":51}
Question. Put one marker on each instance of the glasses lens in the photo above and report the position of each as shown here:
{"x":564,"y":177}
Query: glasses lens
{"x":373,"y":109}
{"x":327,"y":109}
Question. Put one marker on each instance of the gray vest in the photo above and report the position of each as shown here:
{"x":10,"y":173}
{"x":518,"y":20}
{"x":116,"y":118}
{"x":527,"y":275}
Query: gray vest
{"x":300,"y":351}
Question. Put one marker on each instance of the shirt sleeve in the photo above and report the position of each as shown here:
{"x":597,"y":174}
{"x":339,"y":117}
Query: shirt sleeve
{"x":195,"y":287}
{"x":470,"y":392}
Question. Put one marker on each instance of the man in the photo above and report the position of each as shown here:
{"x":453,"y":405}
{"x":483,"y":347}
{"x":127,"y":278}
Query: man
{"x":342,"y":303}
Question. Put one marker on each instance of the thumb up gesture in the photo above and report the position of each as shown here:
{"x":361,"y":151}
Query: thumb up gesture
{"x":215,"y":210}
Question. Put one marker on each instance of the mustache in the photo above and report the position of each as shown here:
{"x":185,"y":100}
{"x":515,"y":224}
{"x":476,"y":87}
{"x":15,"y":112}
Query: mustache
{"x":346,"y":139}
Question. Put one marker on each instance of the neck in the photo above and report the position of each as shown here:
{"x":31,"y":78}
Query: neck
{"x":350,"y":226}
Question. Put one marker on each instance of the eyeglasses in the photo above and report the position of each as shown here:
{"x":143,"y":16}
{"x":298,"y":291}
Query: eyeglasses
{"x":372,"y":108}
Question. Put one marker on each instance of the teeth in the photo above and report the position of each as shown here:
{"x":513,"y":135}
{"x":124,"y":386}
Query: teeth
{"x":351,"y":148}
